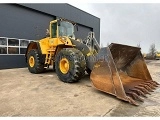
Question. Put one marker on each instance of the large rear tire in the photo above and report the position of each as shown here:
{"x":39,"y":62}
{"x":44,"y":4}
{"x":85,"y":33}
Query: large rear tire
{"x":70,"y":65}
{"x":33,"y":62}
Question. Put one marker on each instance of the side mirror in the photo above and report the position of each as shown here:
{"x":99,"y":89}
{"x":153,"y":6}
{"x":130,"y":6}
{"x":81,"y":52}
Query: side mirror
{"x":47,"y":33}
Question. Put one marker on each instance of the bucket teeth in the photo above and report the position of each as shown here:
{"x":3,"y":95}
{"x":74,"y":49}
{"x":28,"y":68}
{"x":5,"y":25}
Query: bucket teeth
{"x":151,"y":85}
{"x":143,"y":89}
{"x":131,"y":101}
{"x":135,"y":96}
{"x":146,"y":87}
{"x":153,"y":82}
{"x":140,"y":92}
{"x":156,"y":83}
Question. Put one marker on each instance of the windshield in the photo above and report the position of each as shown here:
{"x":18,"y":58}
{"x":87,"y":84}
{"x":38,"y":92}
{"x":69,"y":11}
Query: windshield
{"x":66,"y":29}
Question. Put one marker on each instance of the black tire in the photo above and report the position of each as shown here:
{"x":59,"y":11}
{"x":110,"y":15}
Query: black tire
{"x":77,"y":65}
{"x":54,"y":67}
{"x":37,"y":67}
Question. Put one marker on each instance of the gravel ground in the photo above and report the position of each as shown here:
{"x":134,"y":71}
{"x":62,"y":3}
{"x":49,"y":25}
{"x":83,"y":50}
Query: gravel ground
{"x":26,"y":94}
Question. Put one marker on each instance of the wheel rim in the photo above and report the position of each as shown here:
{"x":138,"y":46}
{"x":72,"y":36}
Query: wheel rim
{"x":64,"y":65}
{"x":31,"y":61}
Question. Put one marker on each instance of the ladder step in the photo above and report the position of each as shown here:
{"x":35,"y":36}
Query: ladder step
{"x":51,"y":50}
{"x":49,"y":56}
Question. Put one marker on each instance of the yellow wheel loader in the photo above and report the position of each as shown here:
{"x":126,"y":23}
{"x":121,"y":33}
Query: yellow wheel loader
{"x":118,"y":69}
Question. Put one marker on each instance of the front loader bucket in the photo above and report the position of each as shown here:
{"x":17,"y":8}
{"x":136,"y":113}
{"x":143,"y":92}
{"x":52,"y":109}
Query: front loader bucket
{"x":120,"y":70}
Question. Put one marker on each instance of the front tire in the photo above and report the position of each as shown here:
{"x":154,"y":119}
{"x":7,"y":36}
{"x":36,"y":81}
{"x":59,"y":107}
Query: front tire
{"x":33,"y":62}
{"x":70,"y":65}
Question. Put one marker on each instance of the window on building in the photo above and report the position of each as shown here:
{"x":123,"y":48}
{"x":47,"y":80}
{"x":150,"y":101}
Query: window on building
{"x":3,"y":45}
{"x":23,"y":50}
{"x":13,"y":50}
{"x":13,"y":45}
{"x":3,"y":41}
{"x":23,"y":46}
{"x":13,"y":42}
{"x":3,"y":50}
{"x":24,"y":43}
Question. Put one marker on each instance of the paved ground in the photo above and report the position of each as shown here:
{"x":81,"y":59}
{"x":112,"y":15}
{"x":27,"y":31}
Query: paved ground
{"x":26,"y":94}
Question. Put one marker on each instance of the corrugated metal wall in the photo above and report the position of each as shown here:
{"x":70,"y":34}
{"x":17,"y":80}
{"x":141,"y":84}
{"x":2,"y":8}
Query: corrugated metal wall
{"x":20,"y":22}
{"x":12,"y":61}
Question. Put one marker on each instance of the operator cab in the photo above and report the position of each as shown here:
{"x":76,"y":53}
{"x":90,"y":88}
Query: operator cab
{"x":61,"y":28}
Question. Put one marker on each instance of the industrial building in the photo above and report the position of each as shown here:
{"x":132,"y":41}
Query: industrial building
{"x":22,"y":23}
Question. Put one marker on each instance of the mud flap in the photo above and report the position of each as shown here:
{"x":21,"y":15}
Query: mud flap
{"x":120,"y":70}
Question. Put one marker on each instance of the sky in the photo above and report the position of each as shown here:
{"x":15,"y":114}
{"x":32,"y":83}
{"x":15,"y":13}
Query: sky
{"x":127,"y":23}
